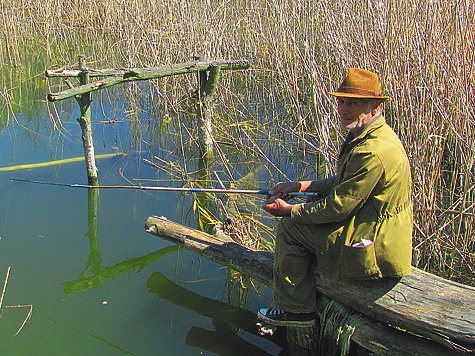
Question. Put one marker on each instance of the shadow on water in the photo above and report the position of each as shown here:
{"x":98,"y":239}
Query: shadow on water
{"x":228,"y":320}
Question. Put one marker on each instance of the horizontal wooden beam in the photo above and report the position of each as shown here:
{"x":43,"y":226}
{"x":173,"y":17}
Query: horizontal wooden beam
{"x":116,"y":76}
{"x":75,"y":73}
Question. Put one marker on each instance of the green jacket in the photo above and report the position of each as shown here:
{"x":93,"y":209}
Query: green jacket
{"x":369,"y":198}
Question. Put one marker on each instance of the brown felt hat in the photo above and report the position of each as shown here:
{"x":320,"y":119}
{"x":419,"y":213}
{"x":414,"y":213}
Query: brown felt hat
{"x":362,"y":84}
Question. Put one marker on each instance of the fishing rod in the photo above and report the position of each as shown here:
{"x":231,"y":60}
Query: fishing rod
{"x":172,"y":189}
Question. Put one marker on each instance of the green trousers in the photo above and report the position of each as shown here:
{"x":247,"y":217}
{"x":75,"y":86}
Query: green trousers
{"x":299,"y":249}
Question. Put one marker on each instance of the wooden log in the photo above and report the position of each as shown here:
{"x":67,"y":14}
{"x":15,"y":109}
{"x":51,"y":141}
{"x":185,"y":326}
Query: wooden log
{"x":252,"y":263}
{"x":76,"y":73}
{"x":127,"y":75}
{"x":444,"y":316}
{"x":423,"y":303}
{"x":112,"y":72}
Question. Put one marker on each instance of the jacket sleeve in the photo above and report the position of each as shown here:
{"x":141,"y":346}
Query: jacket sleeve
{"x":323,"y":186}
{"x":360,"y":176}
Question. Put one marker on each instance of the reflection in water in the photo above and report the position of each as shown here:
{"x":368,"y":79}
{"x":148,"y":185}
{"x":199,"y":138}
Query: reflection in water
{"x":102,"y":275}
{"x":94,"y":260}
{"x":222,"y":341}
{"x":99,"y":274}
{"x":204,"y":201}
{"x":228,"y":320}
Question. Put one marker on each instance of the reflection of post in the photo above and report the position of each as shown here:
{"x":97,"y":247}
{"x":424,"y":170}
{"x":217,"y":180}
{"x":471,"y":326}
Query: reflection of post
{"x":85,"y":122}
{"x":207,"y":89}
{"x":107,"y":273}
{"x":94,"y":260}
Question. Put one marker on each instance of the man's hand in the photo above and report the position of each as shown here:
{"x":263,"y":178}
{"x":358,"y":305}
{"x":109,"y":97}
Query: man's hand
{"x":276,"y":203}
{"x":282,"y":190}
{"x":277,"y":207}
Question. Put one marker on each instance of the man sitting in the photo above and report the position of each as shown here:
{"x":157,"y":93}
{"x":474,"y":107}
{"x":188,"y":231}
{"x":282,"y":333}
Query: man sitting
{"x":361,"y":228}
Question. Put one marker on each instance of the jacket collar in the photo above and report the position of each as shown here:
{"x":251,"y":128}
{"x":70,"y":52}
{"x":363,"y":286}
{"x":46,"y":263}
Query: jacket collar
{"x":374,"y":125}
{"x":378,"y":122}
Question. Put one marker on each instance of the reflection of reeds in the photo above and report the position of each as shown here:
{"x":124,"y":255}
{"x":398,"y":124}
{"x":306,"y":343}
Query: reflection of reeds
{"x":30,"y":307}
{"x":278,"y":114}
{"x":4,"y":287}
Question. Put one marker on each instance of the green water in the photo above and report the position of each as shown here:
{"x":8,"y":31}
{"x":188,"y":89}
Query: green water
{"x":99,"y":284}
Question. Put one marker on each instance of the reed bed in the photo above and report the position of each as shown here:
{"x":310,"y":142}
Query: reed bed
{"x":279,"y":113}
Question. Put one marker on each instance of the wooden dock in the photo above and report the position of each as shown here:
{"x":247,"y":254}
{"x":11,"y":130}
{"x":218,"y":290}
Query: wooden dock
{"x":419,"y":314}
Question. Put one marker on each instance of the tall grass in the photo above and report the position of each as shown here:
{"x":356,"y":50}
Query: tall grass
{"x":422,"y":50}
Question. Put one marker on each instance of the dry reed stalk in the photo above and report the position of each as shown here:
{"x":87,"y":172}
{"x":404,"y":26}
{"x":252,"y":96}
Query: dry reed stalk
{"x":28,"y":316}
{"x":4,"y":287}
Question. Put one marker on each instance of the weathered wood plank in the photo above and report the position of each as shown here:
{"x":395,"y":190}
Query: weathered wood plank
{"x":75,"y":73}
{"x":419,"y":303}
{"x":127,"y":75}
{"x":111,"y":72}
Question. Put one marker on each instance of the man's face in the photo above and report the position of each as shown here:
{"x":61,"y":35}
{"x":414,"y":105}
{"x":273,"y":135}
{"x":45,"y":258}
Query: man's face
{"x":355,"y":114}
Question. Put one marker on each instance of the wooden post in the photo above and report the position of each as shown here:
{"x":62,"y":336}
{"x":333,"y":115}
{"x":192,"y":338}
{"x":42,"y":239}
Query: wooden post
{"x":206,"y":91}
{"x":303,"y":341}
{"x":85,"y":121}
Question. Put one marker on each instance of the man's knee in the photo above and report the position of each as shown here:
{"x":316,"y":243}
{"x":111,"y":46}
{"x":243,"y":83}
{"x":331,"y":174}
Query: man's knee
{"x":290,"y":232}
{"x":287,"y":230}
{"x":312,"y":237}
{"x":288,"y":225}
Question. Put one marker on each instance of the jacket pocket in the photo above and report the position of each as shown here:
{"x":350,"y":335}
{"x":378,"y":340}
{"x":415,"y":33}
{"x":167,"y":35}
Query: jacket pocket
{"x":359,"y":262}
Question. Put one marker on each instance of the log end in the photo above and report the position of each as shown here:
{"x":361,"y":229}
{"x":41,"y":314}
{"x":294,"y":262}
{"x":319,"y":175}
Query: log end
{"x":151,"y":226}
{"x":51,"y":97}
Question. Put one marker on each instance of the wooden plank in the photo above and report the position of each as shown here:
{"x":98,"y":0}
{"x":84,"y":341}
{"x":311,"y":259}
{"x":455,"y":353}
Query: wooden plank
{"x":420,"y":303}
{"x":75,"y":73}
{"x":127,"y":75}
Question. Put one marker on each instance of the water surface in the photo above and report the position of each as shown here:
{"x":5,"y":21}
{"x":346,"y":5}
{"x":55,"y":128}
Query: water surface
{"x":99,"y":284}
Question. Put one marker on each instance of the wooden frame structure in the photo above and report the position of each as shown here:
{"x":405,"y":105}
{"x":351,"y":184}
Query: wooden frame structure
{"x":103,"y":78}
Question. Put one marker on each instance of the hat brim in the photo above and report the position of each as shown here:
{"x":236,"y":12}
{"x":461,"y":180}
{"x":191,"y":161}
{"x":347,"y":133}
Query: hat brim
{"x":358,"y":96}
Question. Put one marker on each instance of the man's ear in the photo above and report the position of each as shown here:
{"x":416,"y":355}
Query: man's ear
{"x":375,"y":105}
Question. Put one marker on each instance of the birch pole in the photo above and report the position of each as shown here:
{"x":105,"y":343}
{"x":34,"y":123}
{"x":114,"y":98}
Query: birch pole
{"x":207,"y":88}
{"x":86,"y":128}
